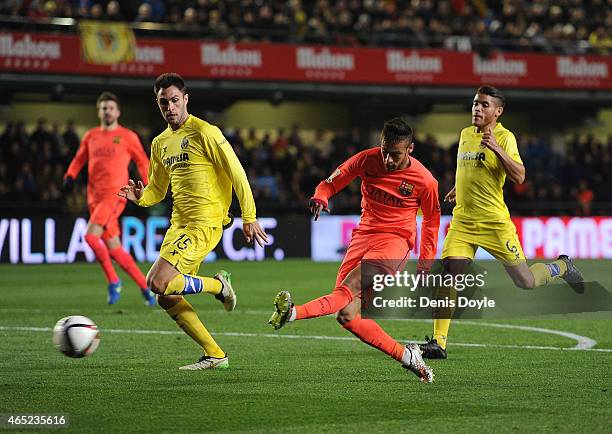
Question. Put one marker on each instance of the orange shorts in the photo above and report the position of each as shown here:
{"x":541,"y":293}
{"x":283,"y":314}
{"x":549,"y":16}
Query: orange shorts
{"x":391,"y":249}
{"x":106,"y":213}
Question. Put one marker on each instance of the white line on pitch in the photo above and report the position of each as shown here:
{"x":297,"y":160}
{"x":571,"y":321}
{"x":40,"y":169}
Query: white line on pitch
{"x":315,"y":337}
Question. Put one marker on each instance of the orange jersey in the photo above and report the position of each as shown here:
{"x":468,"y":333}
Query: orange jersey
{"x":108,"y":154}
{"x":390,"y":200}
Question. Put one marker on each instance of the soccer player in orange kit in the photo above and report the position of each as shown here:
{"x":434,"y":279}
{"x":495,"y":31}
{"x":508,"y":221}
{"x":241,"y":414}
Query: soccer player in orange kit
{"x":108,"y":150}
{"x":394,"y":186}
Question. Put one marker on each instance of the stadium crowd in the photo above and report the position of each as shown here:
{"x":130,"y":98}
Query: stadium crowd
{"x":540,"y":25}
{"x":284,"y":167}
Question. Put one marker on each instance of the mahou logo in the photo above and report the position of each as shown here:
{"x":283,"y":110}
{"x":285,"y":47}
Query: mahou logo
{"x":150,"y":54}
{"x":499,"y":66}
{"x":309,"y":58}
{"x":581,"y":68}
{"x":214,"y":55}
{"x":28,"y":48}
{"x":398,"y":62}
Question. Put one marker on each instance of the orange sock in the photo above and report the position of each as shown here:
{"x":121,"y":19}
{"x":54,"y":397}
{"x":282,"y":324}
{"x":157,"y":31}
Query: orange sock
{"x":101,"y":251}
{"x":331,"y":303}
{"x":125,"y":261}
{"x":372,"y":334}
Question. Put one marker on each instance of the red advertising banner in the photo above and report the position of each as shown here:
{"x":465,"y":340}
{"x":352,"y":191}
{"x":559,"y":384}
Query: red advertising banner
{"x":46,"y":53}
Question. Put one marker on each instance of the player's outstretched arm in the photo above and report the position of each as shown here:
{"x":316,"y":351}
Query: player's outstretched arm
{"x":131,"y":191}
{"x":253,"y":232}
{"x":77,"y":162}
{"x":333,"y":184}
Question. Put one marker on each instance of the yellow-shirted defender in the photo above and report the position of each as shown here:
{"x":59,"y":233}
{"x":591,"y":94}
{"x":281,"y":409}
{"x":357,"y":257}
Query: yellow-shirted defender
{"x":194,"y":158}
{"x":487,"y":155}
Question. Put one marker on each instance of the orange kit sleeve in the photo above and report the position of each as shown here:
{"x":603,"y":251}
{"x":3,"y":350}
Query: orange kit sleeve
{"x":341,"y":177}
{"x":140,"y":158}
{"x":79,"y":159}
{"x":430,"y":206}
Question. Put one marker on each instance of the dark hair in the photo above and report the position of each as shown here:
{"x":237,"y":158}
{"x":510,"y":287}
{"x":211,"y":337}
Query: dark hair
{"x":395,"y":131}
{"x":168,"y":79}
{"x":493,"y":92}
{"x":107,"y":96}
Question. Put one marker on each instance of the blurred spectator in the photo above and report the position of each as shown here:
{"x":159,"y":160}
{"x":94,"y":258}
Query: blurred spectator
{"x":585,"y":198}
{"x":145,"y":13}
{"x":96,"y":12}
{"x":285,"y":168}
{"x":190,"y":19}
{"x":601,"y":39}
{"x":113,"y":11}
{"x":567,"y":27}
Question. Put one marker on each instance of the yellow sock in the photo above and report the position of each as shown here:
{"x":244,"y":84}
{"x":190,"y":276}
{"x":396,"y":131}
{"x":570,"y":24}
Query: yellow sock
{"x":441,"y":331}
{"x":185,"y":284}
{"x":211,"y":285}
{"x":442,"y":315}
{"x":188,"y":320}
{"x":545,"y":273}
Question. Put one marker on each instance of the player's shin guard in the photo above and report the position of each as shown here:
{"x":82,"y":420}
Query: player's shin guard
{"x":543,"y":274}
{"x":187,"y":319}
{"x":186,"y":284}
{"x":103,"y":257}
{"x":125,"y":261}
{"x":369,"y":332}
{"x":340,"y":297}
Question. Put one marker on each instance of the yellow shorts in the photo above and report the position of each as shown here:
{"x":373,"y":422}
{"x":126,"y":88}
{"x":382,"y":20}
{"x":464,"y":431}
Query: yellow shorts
{"x":498,"y":238}
{"x":185,"y":247}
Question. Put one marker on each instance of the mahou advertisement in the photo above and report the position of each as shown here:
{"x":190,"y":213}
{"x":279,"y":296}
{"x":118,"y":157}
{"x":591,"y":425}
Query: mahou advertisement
{"x":198,"y":59}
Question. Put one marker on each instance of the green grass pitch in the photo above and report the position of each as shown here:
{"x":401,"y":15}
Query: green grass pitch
{"x":289,"y":381}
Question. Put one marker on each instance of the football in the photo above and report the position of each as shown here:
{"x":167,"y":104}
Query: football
{"x":76,"y":336}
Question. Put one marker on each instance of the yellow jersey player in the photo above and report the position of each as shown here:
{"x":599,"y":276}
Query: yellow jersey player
{"x":487,"y":155}
{"x":194,"y":158}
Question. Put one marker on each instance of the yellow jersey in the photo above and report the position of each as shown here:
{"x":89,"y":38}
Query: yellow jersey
{"x":201,"y":167}
{"x":480,"y":176}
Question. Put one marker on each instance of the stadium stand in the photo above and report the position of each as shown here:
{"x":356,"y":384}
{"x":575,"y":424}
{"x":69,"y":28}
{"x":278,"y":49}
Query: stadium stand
{"x":284,"y":166}
{"x":566,"y":26}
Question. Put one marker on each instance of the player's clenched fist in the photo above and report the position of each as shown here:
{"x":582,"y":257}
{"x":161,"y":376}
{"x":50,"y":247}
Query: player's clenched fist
{"x":131,"y":191}
{"x":488,"y":139}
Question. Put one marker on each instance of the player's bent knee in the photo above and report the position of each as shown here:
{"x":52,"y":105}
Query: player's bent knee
{"x":353,"y":282}
{"x":344,"y":317}
{"x":168,"y":301}
{"x":524,"y":282}
{"x":157,"y":284}
{"x":455,"y":266}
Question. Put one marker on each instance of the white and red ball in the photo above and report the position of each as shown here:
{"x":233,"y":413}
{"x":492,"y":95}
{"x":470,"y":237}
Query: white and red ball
{"x":76,"y":336}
